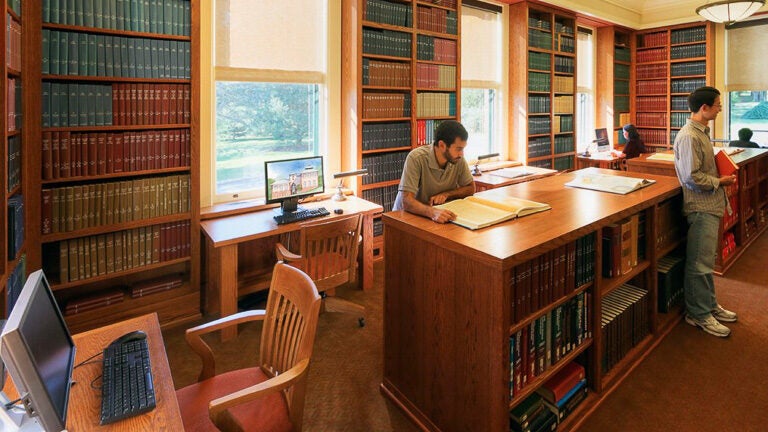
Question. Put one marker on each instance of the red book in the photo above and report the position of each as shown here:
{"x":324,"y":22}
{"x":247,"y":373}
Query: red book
{"x":563,"y":381}
{"x":725,"y":165}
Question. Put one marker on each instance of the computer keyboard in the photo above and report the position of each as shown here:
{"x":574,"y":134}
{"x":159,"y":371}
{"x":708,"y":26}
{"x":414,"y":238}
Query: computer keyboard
{"x":127,"y":389}
{"x":301,"y":215}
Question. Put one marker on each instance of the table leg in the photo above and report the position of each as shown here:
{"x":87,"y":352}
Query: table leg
{"x":367,"y":252}
{"x":227,"y":283}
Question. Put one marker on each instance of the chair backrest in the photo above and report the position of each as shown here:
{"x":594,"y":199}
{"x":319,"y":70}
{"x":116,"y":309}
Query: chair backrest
{"x":329,"y":251}
{"x":288,"y":335}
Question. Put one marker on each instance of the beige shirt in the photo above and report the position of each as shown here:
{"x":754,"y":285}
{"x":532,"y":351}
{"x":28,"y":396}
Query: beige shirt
{"x":697,"y":172}
{"x":424,"y":178}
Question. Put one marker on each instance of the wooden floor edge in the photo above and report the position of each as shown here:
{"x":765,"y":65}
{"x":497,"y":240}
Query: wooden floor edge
{"x":414,"y":414}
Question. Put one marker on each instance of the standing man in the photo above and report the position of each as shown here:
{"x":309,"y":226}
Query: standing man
{"x":434,"y":174}
{"x":704,"y":203}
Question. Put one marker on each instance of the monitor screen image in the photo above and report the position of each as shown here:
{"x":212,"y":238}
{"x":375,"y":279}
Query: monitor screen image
{"x":293,"y":178}
{"x":38,"y":351}
{"x":602,"y":140}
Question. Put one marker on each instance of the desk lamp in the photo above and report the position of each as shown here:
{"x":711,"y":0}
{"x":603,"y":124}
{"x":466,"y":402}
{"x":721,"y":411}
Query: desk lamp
{"x":339,"y":195}
{"x":476,"y":169}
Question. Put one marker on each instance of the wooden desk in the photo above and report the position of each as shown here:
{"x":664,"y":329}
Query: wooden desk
{"x":85,"y":402}
{"x":448,"y":293}
{"x":225,"y":234}
{"x":651,"y":166}
{"x":489,"y":180}
{"x":597,"y":161}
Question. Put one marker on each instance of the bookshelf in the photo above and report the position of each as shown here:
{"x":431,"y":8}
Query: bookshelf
{"x":543,"y":87}
{"x":13,"y":245}
{"x":613,"y":80}
{"x":669,"y":63}
{"x":112,"y":113}
{"x":402,"y":58}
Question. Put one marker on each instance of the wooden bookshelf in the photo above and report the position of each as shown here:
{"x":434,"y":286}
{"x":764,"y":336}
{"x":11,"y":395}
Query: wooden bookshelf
{"x":395,"y":93}
{"x":543,"y":87}
{"x":669,"y":63}
{"x":613,"y":93}
{"x":112,"y":112}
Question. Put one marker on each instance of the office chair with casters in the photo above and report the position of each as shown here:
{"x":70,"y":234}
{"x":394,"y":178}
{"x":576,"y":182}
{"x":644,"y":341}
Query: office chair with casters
{"x":268,"y":397}
{"x":328,"y":254}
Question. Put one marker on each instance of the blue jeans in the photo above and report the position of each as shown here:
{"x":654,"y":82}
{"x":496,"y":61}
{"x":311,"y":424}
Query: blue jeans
{"x":700,"y":263}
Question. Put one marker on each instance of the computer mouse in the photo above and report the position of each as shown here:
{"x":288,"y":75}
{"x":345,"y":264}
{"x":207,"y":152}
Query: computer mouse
{"x":338,"y":211}
{"x":130,"y":337}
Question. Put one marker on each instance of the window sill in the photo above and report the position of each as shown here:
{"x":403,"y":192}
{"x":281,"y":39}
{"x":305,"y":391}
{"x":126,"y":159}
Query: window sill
{"x":253,"y":205}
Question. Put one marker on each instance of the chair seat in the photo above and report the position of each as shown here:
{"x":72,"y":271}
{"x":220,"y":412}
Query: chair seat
{"x":267,"y":414}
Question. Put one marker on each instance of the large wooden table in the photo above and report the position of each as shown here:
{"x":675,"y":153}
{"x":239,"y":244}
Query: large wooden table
{"x":447,"y":314}
{"x":225,"y":235}
{"x":490,"y":179}
{"x":85,"y":401}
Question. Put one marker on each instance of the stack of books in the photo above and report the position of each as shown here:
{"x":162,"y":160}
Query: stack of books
{"x":532,"y":415}
{"x":84,"y":304}
{"x":562,"y":393}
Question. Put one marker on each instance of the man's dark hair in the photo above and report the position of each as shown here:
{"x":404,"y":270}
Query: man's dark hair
{"x":702,"y":96}
{"x":448,"y":131}
{"x":745,"y":134}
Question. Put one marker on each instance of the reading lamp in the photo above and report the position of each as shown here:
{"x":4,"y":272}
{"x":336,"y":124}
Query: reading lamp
{"x":339,"y":195}
{"x":476,"y":169}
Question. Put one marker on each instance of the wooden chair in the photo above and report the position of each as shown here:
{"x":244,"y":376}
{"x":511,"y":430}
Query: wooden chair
{"x":328,"y":254}
{"x":268,"y":397}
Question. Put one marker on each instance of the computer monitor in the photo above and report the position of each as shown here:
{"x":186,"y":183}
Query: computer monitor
{"x":290,"y":179}
{"x":38,"y":351}
{"x":601,"y":135}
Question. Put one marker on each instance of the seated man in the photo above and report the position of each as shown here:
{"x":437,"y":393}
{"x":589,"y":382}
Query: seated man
{"x":434,"y":174}
{"x":745,"y":135}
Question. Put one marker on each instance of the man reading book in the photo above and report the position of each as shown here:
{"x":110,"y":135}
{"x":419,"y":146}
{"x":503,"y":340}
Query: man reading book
{"x":704,"y":202}
{"x":436,"y":173}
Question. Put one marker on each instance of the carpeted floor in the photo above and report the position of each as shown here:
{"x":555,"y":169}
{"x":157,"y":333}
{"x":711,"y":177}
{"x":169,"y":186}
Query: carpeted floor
{"x":691,"y":382}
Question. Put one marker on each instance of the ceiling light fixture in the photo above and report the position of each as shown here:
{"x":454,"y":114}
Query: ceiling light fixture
{"x":729,"y":11}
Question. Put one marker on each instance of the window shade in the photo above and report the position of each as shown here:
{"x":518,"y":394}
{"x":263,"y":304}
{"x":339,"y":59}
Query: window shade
{"x":480,"y":45}
{"x":585,"y":73}
{"x":747,"y":51}
{"x":271,"y":34}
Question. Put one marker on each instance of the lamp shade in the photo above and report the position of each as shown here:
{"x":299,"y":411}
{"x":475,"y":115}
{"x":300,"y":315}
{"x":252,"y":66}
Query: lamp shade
{"x":729,"y":11}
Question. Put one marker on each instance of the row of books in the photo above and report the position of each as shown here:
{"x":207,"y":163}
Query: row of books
{"x":446,"y":3}
{"x":564,"y":143}
{"x":117,"y":295}
{"x":14,"y":284}
{"x":539,"y":82}
{"x":671,"y":271}
{"x":563,"y":84}
{"x":693,"y":34}
{"x":67,"y":154}
{"x":564,"y":27}
{"x":624,"y":323}
{"x":384,"y":167}
{"x":436,"y":104}
{"x":15,"y":238}
{"x":539,"y":125}
{"x":539,"y":146}
{"x":384,"y":196}
{"x":540,"y":22}
{"x":435,"y":49}
{"x":562,"y":124}
{"x":386,"y":105}
{"x":678,"y":119}
{"x":651,"y":119}
{"x":425,"y":131}
{"x":384,"y":73}
{"x":86,"y":257}
{"x":435,"y":76}
{"x":378,"y":136}
{"x":650,"y":71}
{"x":12,"y":43}
{"x":550,"y":276}
{"x":653,"y":136}
{"x":687,"y":85}
{"x":14,"y":162}
{"x":552,"y":403}
{"x":386,"y":42}
{"x":652,"y":55}
{"x":147,"y":16}
{"x":539,"y":39}
{"x":539,"y":61}
{"x":620,"y":245}
{"x":565,"y":64}
{"x":538,"y":104}
{"x":652,"y":39}
{"x":67,"y":104}
{"x":563,"y":104}
{"x":651,"y":87}
{"x":622,"y":54}
{"x":563,"y":163}
{"x":688,"y":51}
{"x":386,"y":12}
{"x":679,"y":103}
{"x":13,"y":104}
{"x":546,"y":340}
{"x":566,"y":44}
{"x":672,"y":136}
{"x":437,"y":20}
{"x":83,"y":54}
{"x":689,"y":68}
{"x":72,"y":208}
{"x":544,"y":163}
{"x":621,"y":87}
{"x":621,"y":71}
{"x":378,"y":227}
{"x":651,"y":103}
{"x":620,"y":103}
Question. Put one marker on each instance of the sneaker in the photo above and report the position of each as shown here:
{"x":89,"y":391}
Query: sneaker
{"x":724,"y":315}
{"x":709,"y":325}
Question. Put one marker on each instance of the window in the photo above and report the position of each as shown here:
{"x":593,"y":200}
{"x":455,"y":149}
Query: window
{"x":481,"y":71}
{"x":745,"y":79}
{"x":270,"y":84}
{"x":585,"y":89}
{"x":749,"y":109}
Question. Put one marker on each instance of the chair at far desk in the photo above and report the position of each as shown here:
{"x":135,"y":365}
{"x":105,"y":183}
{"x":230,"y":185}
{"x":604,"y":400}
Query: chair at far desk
{"x":85,"y":401}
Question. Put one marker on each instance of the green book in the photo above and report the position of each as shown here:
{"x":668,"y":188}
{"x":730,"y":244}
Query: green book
{"x":92,"y":103}
{"x":82,"y":50}
{"x":187,"y":18}
{"x":98,"y":96}
{"x":117,"y":64}
{"x":92,"y":56}
{"x":147,"y":57}
{"x":119,"y":13}
{"x":46,"y":64}
{"x":134,"y":15}
{"x":153,"y":16}
{"x":167,"y":17}
{"x":106,"y":101}
{"x":46,"y":91}
{"x":83,"y":105}
{"x":132,"y":58}
{"x":98,"y":13}
{"x":53,"y":55}
{"x":70,"y":11}
{"x":109,"y":42}
{"x":73,"y":53}
{"x":138,"y":46}
{"x":79,"y":13}
{"x":73,"y":109}
{"x":110,"y":17}
{"x":174,"y":73}
{"x":155,"y":57}
{"x":63,"y":53}
{"x":101,"y":56}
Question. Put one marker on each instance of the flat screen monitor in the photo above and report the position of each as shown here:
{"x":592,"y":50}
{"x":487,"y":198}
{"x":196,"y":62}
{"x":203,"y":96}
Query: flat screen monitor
{"x":290,"y":179}
{"x":38,"y":351}
{"x":601,"y":135}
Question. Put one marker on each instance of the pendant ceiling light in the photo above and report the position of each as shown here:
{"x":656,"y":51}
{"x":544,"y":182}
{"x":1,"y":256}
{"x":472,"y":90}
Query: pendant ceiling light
{"x":729,"y":11}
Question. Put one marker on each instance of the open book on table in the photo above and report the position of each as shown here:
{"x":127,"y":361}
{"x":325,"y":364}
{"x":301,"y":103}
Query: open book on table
{"x":609,"y":183}
{"x":475,"y":212}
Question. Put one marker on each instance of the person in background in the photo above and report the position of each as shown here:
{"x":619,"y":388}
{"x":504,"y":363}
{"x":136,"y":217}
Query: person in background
{"x":745,"y":136}
{"x":434,"y":174}
{"x":635,"y":145}
{"x":704,"y":202}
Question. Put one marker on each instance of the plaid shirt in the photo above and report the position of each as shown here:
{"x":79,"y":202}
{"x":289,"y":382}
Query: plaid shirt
{"x":697,"y":172}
